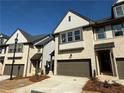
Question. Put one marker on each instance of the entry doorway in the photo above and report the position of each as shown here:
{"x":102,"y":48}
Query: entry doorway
{"x":1,"y":65}
{"x":105,"y":64}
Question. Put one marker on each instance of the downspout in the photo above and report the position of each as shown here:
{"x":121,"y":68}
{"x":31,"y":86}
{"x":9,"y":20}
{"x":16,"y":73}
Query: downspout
{"x":27,"y":61}
{"x":42,"y":66}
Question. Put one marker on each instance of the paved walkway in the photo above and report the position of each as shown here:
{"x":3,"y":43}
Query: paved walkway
{"x":4,"y":77}
{"x":56,"y":84}
{"x":111,"y":78}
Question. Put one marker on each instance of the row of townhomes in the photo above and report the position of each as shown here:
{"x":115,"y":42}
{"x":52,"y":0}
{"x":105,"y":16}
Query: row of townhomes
{"x":31,"y":51}
{"x":78,"y":46}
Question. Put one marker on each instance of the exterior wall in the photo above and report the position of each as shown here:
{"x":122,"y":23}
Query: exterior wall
{"x":47,"y":50}
{"x":23,"y":59}
{"x":23,"y":55}
{"x":31,"y":69}
{"x":118,"y":51}
{"x":86,"y":53}
{"x":118,"y":41}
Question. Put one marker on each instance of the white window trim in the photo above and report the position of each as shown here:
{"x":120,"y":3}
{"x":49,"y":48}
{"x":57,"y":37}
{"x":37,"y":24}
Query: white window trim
{"x":122,"y":11}
{"x":122,"y":30}
{"x":73,"y":36}
{"x":104,"y":32}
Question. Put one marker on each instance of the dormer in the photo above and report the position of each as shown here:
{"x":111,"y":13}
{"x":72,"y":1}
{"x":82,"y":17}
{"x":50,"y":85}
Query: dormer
{"x":118,"y":9}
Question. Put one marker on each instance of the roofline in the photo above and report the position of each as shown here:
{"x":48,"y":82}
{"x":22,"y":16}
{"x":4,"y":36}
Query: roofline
{"x":5,"y":36}
{"x":15,"y":32}
{"x":119,"y":3}
{"x":76,"y":13}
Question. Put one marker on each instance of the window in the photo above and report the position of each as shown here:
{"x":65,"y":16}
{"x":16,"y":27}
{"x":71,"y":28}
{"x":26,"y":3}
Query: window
{"x":63,"y":38}
{"x":70,"y":36}
{"x":1,"y":40}
{"x":69,"y":18}
{"x":100,"y":33}
{"x":117,"y":29}
{"x":0,"y":50}
{"x":19,"y":48}
{"x":119,"y":11}
{"x":11,"y":48}
{"x":77,"y":35}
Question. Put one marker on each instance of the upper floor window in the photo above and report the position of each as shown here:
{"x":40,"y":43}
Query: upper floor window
{"x":63,"y":38}
{"x":119,"y":11}
{"x":118,"y":31}
{"x":70,"y":36}
{"x":77,"y":35}
{"x":1,"y":40}
{"x":0,"y":50}
{"x":100,"y":33}
{"x":19,"y":48}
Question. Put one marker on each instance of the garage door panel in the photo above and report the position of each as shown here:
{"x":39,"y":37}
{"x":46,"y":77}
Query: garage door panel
{"x":17,"y":69}
{"x":120,"y":67}
{"x":74,"y":68}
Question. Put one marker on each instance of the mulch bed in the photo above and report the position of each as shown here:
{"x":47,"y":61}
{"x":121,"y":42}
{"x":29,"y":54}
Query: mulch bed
{"x":18,"y":82}
{"x":103,"y":87}
{"x":38,"y":78}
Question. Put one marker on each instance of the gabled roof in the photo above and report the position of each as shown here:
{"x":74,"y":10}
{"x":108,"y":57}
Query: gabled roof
{"x":5,"y":36}
{"x":119,"y":2}
{"x":104,"y":19}
{"x":29,"y":37}
{"x":84,"y":17}
{"x":46,"y":41}
{"x":76,"y":13}
{"x":109,"y":20}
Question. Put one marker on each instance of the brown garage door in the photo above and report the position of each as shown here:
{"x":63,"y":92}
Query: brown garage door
{"x":17,"y":69}
{"x":80,"y":68}
{"x":120,"y":67}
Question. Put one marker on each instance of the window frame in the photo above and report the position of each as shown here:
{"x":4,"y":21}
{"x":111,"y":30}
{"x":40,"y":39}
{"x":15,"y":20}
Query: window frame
{"x":1,"y":40}
{"x":70,"y":36}
{"x":122,"y":9}
{"x":97,"y":33}
{"x":11,"y":49}
{"x":79,"y":35}
{"x":73,"y":36}
{"x":113,"y":31}
{"x":61,"y":41}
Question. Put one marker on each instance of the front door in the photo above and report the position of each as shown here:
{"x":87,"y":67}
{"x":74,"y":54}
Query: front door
{"x":105,"y":62}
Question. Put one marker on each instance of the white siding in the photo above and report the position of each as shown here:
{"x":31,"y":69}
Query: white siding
{"x":21,"y":38}
{"x":48,"y":48}
{"x":75,"y":22}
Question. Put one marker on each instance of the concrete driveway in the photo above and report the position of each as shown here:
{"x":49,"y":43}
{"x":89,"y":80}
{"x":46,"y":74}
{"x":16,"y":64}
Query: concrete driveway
{"x":56,"y":84}
{"x":4,"y":77}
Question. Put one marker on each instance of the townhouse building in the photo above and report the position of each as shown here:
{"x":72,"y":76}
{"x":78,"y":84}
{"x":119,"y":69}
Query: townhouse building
{"x":84,"y":47}
{"x":3,"y":39}
{"x":30,"y":53}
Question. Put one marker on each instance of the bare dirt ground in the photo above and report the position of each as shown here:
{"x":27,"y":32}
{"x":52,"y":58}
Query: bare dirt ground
{"x":7,"y":86}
